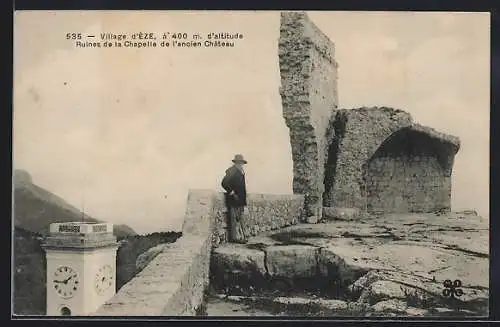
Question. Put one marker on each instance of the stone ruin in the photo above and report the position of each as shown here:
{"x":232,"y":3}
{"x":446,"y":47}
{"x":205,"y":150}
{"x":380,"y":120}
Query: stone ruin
{"x":374,"y":160}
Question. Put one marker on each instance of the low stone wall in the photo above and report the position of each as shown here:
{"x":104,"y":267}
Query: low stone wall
{"x":265,"y":212}
{"x":173,"y":283}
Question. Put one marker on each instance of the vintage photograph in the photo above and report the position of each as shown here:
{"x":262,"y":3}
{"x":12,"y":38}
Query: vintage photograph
{"x":251,"y":164}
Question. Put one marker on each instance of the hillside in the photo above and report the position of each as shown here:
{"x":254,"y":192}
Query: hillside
{"x":29,"y":273}
{"x":36,"y":208}
{"x":132,"y":247}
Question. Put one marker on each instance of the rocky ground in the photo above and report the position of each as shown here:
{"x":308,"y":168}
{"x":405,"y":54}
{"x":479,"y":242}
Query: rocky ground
{"x":395,"y":265}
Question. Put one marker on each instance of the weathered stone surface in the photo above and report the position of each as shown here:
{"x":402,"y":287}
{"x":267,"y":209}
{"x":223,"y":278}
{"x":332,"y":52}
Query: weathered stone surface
{"x":238,"y":258}
{"x":334,"y":305}
{"x":309,"y":97}
{"x":334,"y":213}
{"x":394,"y":306}
{"x":291,"y":260}
{"x":401,"y":257}
{"x":199,"y":212}
{"x":335,"y":266}
{"x":324,"y":304}
{"x":223,"y":307}
{"x":292,"y":300}
{"x":145,"y":258}
{"x":312,"y":219}
{"x":337,"y":305}
{"x":266,"y":212}
{"x":384,"y":290}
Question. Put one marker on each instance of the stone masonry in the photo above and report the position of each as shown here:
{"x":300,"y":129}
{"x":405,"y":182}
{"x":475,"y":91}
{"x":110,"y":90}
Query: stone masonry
{"x":309,"y":97}
{"x":266,"y":212}
{"x":380,"y":161}
{"x":356,"y":135}
{"x":340,"y":156}
{"x":411,"y":172}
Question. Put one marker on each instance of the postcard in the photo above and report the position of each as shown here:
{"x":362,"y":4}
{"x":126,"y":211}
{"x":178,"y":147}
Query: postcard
{"x":251,"y":164}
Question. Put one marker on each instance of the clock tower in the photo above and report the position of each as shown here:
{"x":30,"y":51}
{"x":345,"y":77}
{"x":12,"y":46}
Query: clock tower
{"x":81,"y":267}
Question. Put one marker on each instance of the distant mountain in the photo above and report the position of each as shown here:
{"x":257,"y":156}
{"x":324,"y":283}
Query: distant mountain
{"x":36,"y":208}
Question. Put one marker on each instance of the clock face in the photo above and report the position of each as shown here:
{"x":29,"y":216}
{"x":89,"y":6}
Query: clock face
{"x":104,"y":279}
{"x":66,"y":282}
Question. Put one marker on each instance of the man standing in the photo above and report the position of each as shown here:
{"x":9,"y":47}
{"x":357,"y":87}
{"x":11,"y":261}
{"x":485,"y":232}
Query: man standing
{"x":236,"y":198}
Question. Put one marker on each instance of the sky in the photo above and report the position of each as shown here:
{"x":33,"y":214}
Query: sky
{"x":124,"y":133}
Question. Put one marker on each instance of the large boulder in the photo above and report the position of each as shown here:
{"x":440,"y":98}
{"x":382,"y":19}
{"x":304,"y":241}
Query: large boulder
{"x":292,"y":261}
{"x":335,"y":267}
{"x":236,"y":258}
{"x":236,"y":268}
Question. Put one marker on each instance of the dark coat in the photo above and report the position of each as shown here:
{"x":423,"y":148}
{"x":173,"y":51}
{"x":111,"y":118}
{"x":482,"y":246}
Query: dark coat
{"x":235,"y":181}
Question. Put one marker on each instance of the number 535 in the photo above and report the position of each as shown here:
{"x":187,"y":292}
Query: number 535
{"x":73,"y":36}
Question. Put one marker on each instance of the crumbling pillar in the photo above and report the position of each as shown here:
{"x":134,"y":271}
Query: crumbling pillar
{"x":309,"y":98}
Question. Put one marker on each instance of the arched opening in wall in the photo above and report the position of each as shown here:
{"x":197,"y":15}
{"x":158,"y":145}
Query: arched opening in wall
{"x":335,"y":133}
{"x":409,"y":172}
{"x":330,"y":167}
{"x":65,"y":311}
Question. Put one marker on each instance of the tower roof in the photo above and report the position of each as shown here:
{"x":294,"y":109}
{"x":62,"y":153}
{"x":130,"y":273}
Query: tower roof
{"x":80,"y":236}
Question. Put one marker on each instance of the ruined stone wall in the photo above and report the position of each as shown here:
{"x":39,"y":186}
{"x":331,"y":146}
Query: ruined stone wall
{"x":265,"y":212}
{"x":399,"y":184}
{"x":309,"y":97}
{"x":357,"y":135}
{"x":331,"y":148}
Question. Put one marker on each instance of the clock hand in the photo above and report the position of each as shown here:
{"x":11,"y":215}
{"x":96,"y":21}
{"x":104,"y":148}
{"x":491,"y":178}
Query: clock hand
{"x":67,"y":279}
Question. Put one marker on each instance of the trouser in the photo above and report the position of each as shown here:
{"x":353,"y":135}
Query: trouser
{"x":236,"y":228}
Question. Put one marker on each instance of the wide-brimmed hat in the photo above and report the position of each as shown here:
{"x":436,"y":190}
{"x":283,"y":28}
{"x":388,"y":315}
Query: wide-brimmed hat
{"x":239,"y":158}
